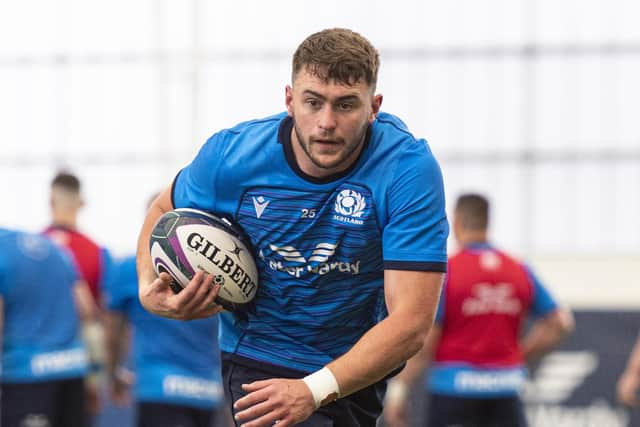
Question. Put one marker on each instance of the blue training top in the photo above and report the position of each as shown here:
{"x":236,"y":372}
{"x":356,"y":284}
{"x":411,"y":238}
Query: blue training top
{"x":41,"y":335}
{"x":321,"y":244}
{"x":176,"y":362}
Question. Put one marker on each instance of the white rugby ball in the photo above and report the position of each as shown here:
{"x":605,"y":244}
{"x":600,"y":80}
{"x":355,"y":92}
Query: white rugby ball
{"x":184,"y":241}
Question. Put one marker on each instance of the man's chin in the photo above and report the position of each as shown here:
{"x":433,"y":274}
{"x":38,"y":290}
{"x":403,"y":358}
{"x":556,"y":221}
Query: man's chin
{"x":327,"y":162}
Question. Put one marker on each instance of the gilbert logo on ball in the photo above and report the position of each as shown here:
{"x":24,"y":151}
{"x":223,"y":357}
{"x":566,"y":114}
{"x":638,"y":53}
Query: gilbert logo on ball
{"x":184,"y":241}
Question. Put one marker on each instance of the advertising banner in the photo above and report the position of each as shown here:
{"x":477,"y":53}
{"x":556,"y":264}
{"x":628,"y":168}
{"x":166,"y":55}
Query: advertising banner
{"x":574,"y":385}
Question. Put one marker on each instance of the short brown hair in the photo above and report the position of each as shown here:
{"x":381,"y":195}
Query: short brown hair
{"x":67,"y":181}
{"x":338,"y":54}
{"x":472,"y":210}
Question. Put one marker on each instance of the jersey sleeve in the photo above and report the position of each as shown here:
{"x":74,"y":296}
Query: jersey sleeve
{"x":195,"y":185}
{"x":415,"y":237}
{"x":122,"y":286}
{"x":543,"y":303}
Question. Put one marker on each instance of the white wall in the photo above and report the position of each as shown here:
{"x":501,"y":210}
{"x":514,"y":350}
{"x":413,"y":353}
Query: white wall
{"x":591,"y":282}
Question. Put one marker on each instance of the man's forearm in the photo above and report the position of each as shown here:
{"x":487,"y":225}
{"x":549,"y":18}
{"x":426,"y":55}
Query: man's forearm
{"x":144,"y":266}
{"x":416,"y":366}
{"x":412,"y":298}
{"x":381,"y":350}
{"x":146,"y":274}
{"x":399,"y":386}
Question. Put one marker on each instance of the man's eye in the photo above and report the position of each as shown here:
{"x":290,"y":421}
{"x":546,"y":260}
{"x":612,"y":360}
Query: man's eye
{"x":345,"y":106}
{"x":313,"y":102}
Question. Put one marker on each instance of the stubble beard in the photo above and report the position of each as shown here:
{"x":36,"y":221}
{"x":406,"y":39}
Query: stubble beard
{"x":348,"y":149}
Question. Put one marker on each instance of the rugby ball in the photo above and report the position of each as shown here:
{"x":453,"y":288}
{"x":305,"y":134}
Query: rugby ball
{"x":184,"y":241}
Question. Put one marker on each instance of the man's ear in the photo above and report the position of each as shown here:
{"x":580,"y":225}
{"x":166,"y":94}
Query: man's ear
{"x":376,"y":102}
{"x":288,"y":99}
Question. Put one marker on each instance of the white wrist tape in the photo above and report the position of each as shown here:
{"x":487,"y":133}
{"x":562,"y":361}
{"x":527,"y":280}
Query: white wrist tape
{"x":397,"y":392}
{"x":323,"y":385}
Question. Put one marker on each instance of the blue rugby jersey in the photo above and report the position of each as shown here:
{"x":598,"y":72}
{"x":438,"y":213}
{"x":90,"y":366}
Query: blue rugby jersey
{"x":41,"y":335}
{"x":321,"y":244}
{"x":176,"y":362}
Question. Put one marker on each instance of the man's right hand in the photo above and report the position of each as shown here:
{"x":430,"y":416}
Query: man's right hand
{"x":195,"y":301}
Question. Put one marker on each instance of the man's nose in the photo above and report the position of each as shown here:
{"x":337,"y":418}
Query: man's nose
{"x":327,"y":118}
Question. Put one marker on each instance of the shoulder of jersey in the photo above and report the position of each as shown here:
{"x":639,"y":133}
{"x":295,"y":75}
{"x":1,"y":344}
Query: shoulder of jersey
{"x":388,"y":124}
{"x":258,"y":124}
{"x":251,"y":133}
{"x":395,"y":121}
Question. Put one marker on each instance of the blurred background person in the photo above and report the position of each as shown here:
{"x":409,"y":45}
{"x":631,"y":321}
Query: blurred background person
{"x":92,"y":261}
{"x":177,"y":379}
{"x":44,"y":362}
{"x":66,"y":202}
{"x":479,"y":359}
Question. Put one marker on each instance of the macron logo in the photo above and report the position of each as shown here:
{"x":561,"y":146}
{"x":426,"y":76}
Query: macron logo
{"x":259,"y":204}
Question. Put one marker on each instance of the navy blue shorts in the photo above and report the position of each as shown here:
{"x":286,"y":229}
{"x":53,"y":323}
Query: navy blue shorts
{"x":53,"y":403}
{"x":445,"y":411}
{"x":166,"y":415}
{"x":360,"y":409}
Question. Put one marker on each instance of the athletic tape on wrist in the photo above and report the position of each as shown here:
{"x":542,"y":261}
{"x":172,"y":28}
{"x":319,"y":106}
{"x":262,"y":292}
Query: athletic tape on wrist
{"x":323,"y":385}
